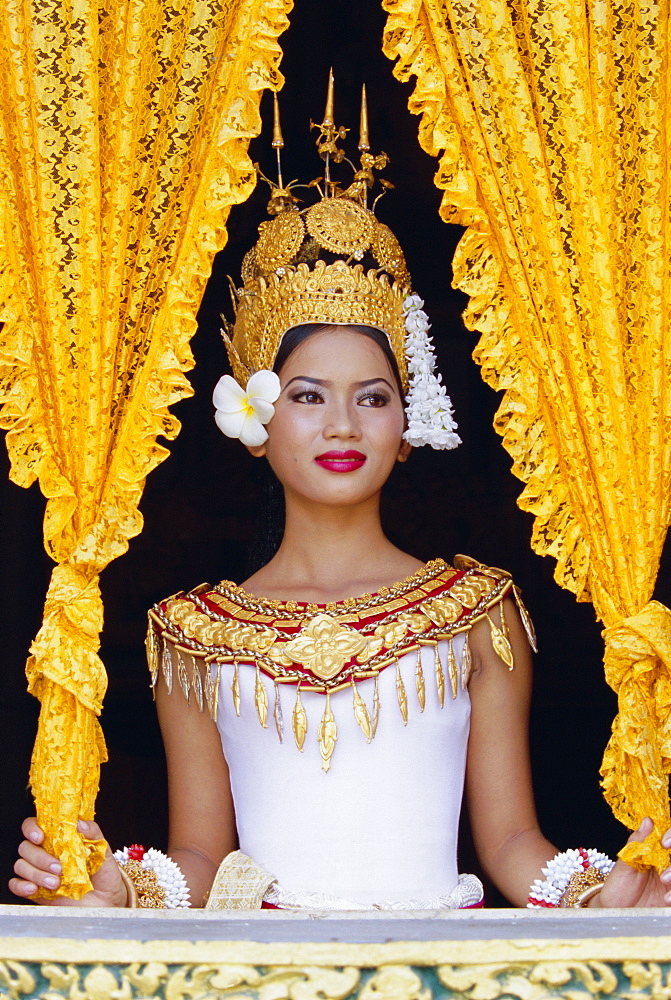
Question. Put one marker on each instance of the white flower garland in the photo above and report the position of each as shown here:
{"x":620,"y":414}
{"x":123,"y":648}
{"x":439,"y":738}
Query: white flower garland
{"x":429,"y":408}
{"x":559,"y":871}
{"x":168,"y":874}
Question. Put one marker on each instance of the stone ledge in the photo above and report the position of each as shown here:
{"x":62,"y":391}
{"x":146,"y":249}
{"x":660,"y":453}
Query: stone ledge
{"x":66,"y":953}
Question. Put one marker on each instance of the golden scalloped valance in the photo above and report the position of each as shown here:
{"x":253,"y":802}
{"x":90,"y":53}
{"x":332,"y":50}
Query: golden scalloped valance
{"x":123,"y":138}
{"x":551,"y":123}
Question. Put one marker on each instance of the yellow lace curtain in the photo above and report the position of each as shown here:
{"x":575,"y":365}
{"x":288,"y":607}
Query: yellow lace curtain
{"x":123,"y":137}
{"x":552,"y":125}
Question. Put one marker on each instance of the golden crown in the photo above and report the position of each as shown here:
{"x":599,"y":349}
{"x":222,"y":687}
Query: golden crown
{"x":333,"y":262}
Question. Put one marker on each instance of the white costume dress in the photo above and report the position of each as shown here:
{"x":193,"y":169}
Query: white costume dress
{"x":345,"y":729}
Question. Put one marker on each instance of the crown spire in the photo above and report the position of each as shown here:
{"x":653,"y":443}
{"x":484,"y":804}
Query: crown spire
{"x":327,"y":140}
{"x":278,"y":141}
{"x":329,"y":114}
{"x":364,"y":139}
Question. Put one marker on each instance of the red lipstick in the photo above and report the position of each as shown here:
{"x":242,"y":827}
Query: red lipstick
{"x":341,"y":461}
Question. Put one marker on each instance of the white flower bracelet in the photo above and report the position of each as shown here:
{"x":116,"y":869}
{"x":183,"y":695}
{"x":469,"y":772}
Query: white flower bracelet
{"x":571,"y":879}
{"x":152,"y":879}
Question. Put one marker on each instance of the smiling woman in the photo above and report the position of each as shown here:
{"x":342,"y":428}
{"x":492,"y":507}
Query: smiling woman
{"x":395,"y":684}
{"x":339,"y":411}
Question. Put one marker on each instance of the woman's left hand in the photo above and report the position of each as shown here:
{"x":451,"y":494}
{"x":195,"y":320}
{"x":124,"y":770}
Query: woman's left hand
{"x":627,"y":887}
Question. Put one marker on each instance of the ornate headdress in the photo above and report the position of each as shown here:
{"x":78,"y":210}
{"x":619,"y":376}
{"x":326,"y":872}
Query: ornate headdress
{"x":331,"y":263}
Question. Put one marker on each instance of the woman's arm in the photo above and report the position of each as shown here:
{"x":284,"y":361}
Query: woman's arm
{"x":202,"y":819}
{"x":507,"y":837}
{"x":508,"y":840}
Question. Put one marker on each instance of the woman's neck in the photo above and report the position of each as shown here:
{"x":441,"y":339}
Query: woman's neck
{"x":329,"y":553}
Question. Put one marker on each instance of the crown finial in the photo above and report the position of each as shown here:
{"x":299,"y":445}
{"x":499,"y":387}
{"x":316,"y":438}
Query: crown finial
{"x":327,"y":140}
{"x":364,"y":138}
{"x":278,"y":141}
{"x":329,"y":113}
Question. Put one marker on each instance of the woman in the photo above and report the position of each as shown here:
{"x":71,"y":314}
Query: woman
{"x":354,"y":689}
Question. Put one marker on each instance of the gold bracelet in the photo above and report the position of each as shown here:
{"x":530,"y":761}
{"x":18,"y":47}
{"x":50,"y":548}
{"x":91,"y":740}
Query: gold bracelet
{"x":147,"y":891}
{"x":584,"y":897}
{"x":581,"y":887}
{"x":152,"y":880}
{"x":131,"y":892}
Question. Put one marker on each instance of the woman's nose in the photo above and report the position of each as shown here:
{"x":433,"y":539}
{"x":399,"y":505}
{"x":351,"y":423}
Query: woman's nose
{"x":342,"y":421}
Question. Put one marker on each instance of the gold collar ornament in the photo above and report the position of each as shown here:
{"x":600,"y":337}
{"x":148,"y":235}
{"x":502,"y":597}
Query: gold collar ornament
{"x":331,"y":263}
{"x":206,"y":636}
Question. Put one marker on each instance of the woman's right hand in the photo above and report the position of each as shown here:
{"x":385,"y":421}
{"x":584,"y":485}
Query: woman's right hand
{"x":35,"y":868}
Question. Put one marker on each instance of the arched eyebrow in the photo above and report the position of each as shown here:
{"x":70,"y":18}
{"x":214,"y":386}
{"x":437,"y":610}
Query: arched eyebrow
{"x":326,"y":383}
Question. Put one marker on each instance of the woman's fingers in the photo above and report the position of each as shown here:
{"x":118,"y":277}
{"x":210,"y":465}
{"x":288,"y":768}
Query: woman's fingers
{"x":89,"y":829}
{"x":35,"y":867}
{"x":38,"y":857}
{"x":638,"y":836}
{"x":31,"y":831}
{"x":22,"y":888}
{"x":35,"y":875}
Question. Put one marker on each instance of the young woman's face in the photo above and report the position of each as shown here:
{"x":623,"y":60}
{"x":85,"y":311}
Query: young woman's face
{"x":338,"y":423}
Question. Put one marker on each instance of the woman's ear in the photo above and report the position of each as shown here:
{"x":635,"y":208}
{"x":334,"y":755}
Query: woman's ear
{"x":257,"y":450}
{"x":404,"y":452}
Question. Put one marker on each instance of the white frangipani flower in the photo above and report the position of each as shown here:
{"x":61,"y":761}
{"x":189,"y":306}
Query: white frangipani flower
{"x":241,"y":413}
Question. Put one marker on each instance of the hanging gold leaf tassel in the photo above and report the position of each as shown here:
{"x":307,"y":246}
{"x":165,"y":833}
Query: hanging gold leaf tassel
{"x":419,"y":681}
{"x":501,"y":644}
{"x":328,"y":734}
{"x":401,"y":695}
{"x":299,"y":720}
{"x":197,"y":682}
{"x":277,"y":714}
{"x":183,"y":678}
{"x":261,"y":699}
{"x":235,"y":687}
{"x":376,"y":706}
{"x":211,"y":689}
{"x":217,"y":688}
{"x":152,"y":647}
{"x":452,"y":666}
{"x":361,"y":713}
{"x":440,"y":677}
{"x":526,"y":620}
{"x":166,"y":664}
{"x":504,"y":623}
{"x":466,"y":662}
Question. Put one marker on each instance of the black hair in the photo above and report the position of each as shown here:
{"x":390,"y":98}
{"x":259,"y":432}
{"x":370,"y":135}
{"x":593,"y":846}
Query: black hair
{"x":270,"y":520}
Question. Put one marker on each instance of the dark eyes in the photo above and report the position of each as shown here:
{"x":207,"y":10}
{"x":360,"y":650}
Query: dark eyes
{"x":373,"y":399}
{"x":366,"y":398}
{"x":307,"y":396}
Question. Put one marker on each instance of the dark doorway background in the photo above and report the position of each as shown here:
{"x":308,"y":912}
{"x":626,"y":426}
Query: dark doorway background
{"x":200,"y":505}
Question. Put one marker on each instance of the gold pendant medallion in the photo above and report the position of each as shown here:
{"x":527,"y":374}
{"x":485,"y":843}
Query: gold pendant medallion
{"x":388,"y":253}
{"x":279,"y":241}
{"x":341,"y":226}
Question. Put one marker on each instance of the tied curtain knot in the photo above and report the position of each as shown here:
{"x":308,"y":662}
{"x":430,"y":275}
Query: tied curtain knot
{"x":637,"y":761}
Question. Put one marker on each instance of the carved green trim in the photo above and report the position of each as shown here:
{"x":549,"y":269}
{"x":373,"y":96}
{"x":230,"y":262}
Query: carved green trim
{"x":543,"y":980}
